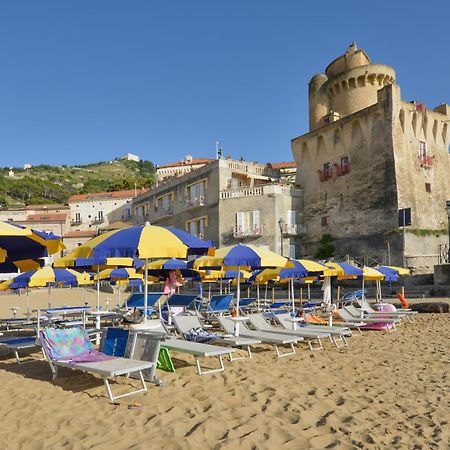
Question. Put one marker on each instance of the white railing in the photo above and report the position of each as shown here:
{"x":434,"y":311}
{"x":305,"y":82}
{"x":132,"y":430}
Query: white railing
{"x":239,"y":232}
{"x":197,"y":201}
{"x":260,"y":190}
{"x":294,"y":229}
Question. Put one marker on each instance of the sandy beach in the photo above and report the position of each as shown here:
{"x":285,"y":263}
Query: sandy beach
{"x":387,"y":390}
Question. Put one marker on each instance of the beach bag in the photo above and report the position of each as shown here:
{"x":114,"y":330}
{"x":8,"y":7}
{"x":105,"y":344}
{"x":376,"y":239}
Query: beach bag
{"x":135,"y":316}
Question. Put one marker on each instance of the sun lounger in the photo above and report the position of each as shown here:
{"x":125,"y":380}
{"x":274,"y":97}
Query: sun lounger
{"x":219,"y":304}
{"x":179,"y":345}
{"x":185,"y":323}
{"x":337,"y":335}
{"x":71,"y":348}
{"x":260,"y":323}
{"x":274,"y":339}
{"x":136,"y":300}
{"x":370,"y":323}
{"x":409,"y":315}
{"x":15,"y":344}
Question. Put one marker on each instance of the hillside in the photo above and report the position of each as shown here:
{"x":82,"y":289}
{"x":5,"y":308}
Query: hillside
{"x":52,"y":184}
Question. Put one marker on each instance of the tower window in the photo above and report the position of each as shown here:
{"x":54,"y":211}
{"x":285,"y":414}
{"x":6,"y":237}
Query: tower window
{"x":324,"y":221}
{"x":428,"y":187}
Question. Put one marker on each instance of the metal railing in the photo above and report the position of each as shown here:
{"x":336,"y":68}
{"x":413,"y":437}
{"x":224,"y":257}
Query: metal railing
{"x":98,"y":220}
{"x":294,"y":229}
{"x":241,"y":232}
{"x":444,"y":254}
{"x":76,"y":221}
{"x":197,"y":201}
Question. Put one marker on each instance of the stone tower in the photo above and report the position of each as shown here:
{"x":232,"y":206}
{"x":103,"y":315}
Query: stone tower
{"x":350,"y":83}
{"x":367,"y":155}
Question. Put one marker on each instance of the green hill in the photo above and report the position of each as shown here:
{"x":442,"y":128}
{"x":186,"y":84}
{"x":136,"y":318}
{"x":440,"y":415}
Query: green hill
{"x":52,"y":184}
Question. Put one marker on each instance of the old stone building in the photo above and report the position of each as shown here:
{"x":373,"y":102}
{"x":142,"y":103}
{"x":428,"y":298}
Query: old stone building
{"x":369,"y":154}
{"x":229,"y":201}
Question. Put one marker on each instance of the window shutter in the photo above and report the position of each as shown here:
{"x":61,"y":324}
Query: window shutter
{"x":239,"y":219}
{"x":291,"y":217}
{"x":256,"y":219}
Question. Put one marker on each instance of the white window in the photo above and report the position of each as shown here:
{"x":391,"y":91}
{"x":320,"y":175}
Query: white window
{"x":100,"y":215}
{"x":247,"y":222}
{"x":127,"y":213}
{"x":197,"y":227}
{"x":78,"y":217}
{"x":422,"y":149}
{"x":164,"y":203}
{"x":196,"y":192}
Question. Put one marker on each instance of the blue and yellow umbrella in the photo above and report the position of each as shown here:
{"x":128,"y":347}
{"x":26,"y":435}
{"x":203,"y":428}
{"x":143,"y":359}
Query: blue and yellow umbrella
{"x":46,"y":277}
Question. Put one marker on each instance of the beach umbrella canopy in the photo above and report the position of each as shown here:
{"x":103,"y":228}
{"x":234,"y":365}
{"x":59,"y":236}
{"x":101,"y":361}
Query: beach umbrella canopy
{"x":167,"y":264}
{"x":120,"y":273}
{"x":144,"y":242}
{"x":21,"y":248}
{"x":392,"y":273}
{"x":344,"y":270}
{"x":369,"y":273}
{"x":45,"y":277}
{"x":240,"y":257}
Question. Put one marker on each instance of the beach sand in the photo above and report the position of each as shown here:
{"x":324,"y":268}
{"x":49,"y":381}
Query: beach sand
{"x":387,"y":390}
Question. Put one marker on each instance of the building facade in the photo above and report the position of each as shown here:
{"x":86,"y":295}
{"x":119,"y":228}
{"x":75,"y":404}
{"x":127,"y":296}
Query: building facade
{"x":369,"y":154}
{"x":167,"y":171}
{"x":228,"y":201}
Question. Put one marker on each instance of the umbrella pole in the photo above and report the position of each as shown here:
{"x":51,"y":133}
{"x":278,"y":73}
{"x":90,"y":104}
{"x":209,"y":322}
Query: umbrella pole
{"x":49,"y":301}
{"x":209,"y":291}
{"x":146,"y":291}
{"x":293,"y":299}
{"x":301,"y":296}
{"x":220,"y":285}
{"x":98,"y":289}
{"x":238,"y":297}
{"x":257,"y":294}
{"x":28,"y":304}
{"x":309,"y":292}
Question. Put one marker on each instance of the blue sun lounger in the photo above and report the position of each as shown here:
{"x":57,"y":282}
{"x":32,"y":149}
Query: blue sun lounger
{"x":15,"y":344}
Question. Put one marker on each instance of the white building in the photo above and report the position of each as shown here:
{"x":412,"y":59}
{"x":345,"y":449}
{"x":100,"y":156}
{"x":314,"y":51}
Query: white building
{"x":130,"y":157}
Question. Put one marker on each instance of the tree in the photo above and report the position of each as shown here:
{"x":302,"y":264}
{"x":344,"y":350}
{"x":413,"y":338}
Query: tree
{"x":326,"y":248}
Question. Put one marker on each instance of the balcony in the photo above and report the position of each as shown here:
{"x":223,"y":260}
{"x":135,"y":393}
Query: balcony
{"x":342,"y":169}
{"x":97,"y":220}
{"x":195,"y":202}
{"x":425,"y":160}
{"x":324,"y":175}
{"x":293,"y":229}
{"x":75,"y":222}
{"x":243,"y":232}
{"x":257,"y":191}
{"x":127,"y":217}
{"x":162,"y":212}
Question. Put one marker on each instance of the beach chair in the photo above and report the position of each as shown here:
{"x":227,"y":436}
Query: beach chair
{"x":227,"y":324}
{"x":370,"y":312}
{"x":260,"y":323}
{"x":136,"y":300}
{"x":72,"y":348}
{"x":16,"y":343}
{"x":369,"y":323}
{"x":245,"y":304}
{"x":196,"y":349}
{"x":185,"y":323}
{"x":278,"y":306}
{"x":219,"y":304}
{"x":337,"y":335}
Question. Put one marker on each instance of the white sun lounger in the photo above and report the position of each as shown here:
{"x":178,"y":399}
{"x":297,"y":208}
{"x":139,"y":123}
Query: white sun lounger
{"x":261,"y":324}
{"x":349,"y":317}
{"x":184,"y":323}
{"x":105,"y":369}
{"x":337,"y":335}
{"x":275,"y":339}
{"x":408,"y":315}
{"x":196,"y":349}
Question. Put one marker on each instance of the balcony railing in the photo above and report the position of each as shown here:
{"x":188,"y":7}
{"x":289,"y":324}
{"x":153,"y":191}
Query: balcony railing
{"x":425,"y":160}
{"x":127,"y":217}
{"x":324,"y":175}
{"x":256,"y":191}
{"x":98,"y":220}
{"x":342,"y":169}
{"x":163,"y":212}
{"x":194,"y":202}
{"x":76,"y":222}
{"x":241,"y":232}
{"x":293,"y":229}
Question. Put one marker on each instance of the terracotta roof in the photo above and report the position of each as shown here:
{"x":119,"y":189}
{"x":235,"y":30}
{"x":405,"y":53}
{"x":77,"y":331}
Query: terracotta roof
{"x":46,"y":218}
{"x":80,"y":233}
{"x":193,"y":162}
{"x":284,"y":165}
{"x":107,"y":195}
{"x":45,"y":207}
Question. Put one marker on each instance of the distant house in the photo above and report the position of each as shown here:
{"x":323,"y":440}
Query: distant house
{"x":130,"y":157}
{"x":178,"y":168}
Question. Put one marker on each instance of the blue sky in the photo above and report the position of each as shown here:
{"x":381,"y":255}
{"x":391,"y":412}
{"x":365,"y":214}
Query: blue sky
{"x":88,"y":80}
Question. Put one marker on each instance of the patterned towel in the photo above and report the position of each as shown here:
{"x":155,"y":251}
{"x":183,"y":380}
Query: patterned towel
{"x":66,"y":343}
{"x":202,"y":336}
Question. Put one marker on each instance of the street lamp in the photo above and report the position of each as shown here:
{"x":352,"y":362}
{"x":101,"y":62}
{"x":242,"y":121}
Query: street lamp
{"x":448,"y":215}
{"x":281,"y":225}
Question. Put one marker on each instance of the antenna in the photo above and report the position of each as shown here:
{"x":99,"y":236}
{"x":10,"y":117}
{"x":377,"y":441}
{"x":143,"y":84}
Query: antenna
{"x":218,"y":150}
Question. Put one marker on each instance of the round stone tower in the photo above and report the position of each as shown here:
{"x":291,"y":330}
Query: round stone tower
{"x":349,"y":84}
